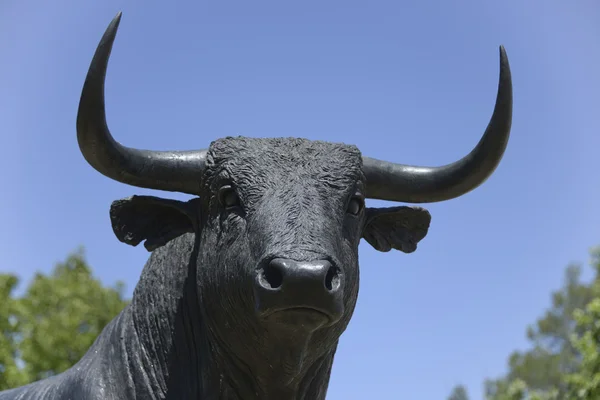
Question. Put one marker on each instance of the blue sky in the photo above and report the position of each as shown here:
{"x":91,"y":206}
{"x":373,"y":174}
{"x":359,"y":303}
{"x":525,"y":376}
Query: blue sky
{"x":411,"y":82}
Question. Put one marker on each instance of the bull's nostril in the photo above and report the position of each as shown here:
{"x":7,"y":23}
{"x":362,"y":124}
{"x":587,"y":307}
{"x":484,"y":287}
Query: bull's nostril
{"x":271,"y":276}
{"x":332,"y":279}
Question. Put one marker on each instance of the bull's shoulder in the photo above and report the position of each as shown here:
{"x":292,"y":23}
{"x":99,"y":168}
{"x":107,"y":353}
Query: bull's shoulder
{"x":84,"y":381}
{"x":58,"y":388}
{"x":46,"y":389}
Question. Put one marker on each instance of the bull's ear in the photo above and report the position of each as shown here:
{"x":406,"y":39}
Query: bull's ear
{"x":399,"y":228}
{"x":155,"y":220}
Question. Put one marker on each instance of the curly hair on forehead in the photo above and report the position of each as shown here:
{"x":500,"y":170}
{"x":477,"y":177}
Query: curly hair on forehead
{"x":289,"y":149}
{"x":257,"y":158}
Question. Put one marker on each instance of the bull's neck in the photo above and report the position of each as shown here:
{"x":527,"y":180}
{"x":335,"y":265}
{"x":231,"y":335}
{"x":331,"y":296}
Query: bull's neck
{"x":162,"y":345}
{"x":281,"y":368}
{"x":169,"y":354}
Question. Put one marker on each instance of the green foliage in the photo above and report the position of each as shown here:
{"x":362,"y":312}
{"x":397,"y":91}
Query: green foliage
{"x":459,"y":393}
{"x":10,"y":375}
{"x":518,"y":390}
{"x":563,"y":362}
{"x":50,"y":327}
{"x":584,"y":384}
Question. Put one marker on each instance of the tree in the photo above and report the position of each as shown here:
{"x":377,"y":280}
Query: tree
{"x":584,"y":384}
{"x":459,"y":393}
{"x":540,"y":372}
{"x":49,"y":328}
{"x":10,"y":374}
{"x":518,"y":390}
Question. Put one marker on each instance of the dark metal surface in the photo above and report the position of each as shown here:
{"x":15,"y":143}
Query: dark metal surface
{"x":250,"y":285}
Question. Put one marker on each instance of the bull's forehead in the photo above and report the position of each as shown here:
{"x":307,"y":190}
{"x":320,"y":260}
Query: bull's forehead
{"x":279,"y":160}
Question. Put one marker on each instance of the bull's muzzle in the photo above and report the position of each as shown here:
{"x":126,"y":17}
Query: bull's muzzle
{"x":300,"y":293}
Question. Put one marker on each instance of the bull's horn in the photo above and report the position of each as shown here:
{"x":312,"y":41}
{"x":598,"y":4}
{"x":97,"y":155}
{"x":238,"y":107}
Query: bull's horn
{"x":412,"y":184}
{"x":177,"y":171}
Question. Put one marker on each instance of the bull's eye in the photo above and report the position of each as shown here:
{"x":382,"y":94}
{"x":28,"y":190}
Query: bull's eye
{"x":355,"y":206}
{"x":228,"y":197}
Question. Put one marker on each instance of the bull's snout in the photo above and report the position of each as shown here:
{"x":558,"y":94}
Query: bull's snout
{"x":311,"y":276}
{"x":287,"y":289}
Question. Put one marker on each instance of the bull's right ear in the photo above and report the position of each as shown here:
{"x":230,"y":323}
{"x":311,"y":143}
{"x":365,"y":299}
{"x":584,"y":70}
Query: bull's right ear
{"x":155,"y":220}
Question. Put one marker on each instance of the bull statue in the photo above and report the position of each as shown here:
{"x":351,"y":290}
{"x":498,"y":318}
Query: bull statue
{"x":250,"y":284}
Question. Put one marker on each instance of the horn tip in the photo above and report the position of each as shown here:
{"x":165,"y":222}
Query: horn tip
{"x":114,"y":24}
{"x":504,"y":64}
{"x":503,"y":56}
{"x":109,"y":36}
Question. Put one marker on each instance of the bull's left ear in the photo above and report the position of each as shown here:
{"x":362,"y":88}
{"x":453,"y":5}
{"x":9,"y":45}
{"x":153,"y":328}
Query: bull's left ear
{"x":155,"y":220}
{"x":399,"y":228}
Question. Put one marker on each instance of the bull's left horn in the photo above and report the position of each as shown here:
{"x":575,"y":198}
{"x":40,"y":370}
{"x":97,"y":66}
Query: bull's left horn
{"x":176,"y":171}
{"x":411,"y":184}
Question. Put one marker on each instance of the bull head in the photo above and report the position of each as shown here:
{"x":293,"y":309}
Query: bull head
{"x":276,"y":220}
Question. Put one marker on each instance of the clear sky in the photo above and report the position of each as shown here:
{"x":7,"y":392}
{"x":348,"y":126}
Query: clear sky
{"x":411,"y":82}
